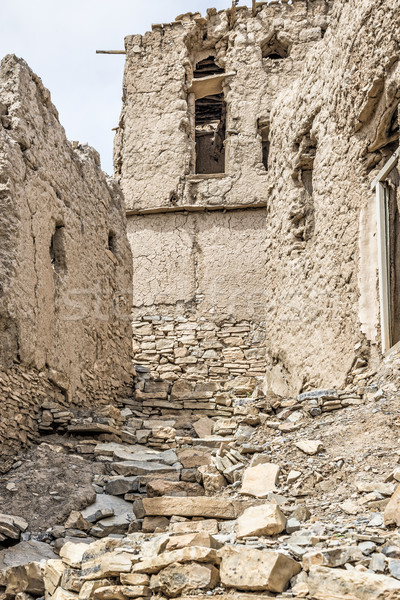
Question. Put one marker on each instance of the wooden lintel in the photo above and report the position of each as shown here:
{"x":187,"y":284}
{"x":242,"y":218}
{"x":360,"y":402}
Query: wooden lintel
{"x":110,"y":52}
{"x":192,"y":208}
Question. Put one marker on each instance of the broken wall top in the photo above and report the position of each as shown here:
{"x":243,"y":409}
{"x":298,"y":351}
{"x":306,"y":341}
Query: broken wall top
{"x":154,"y":147}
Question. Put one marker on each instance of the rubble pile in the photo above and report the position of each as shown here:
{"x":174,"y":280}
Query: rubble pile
{"x":281,"y":498}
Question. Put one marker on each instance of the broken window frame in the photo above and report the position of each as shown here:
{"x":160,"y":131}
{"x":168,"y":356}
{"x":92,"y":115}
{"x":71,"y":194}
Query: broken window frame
{"x":382,"y":212}
{"x":208,"y":91}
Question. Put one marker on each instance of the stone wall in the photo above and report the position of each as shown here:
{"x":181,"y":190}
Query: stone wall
{"x":338,"y":112}
{"x":310,"y":119}
{"x":198,"y":241}
{"x":65,"y":265}
{"x":198,"y":310}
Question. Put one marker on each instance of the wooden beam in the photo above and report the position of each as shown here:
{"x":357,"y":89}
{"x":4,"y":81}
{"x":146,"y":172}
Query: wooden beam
{"x":232,"y":16}
{"x":254,"y":7}
{"x":193,"y":208}
{"x":110,"y":52}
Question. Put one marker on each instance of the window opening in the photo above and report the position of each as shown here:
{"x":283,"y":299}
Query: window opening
{"x":112,"y":242}
{"x":210,"y":134}
{"x":274,"y":49}
{"x":307,"y":164}
{"x":57,"y":250}
{"x":386,"y":186}
{"x":263,"y":131}
{"x":207,"y":67}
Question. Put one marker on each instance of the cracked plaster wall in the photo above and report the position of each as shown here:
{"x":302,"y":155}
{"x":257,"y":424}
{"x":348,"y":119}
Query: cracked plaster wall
{"x":64,"y":336}
{"x":208,"y":323}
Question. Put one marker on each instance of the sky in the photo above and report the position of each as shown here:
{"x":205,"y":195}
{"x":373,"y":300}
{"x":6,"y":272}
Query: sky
{"x":59,"y":39}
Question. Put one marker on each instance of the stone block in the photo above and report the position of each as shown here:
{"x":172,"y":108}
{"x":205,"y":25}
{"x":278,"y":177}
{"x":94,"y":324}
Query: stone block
{"x":267,"y":519}
{"x":260,"y":480}
{"x":178,"y":579}
{"x":194,"y":457}
{"x":217,"y":508}
{"x":338,"y":584}
{"x":207,"y":526}
{"x":185,"y":555}
{"x":256,"y":570}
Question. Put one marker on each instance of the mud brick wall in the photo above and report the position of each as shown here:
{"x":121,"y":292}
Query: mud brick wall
{"x":65,"y":265}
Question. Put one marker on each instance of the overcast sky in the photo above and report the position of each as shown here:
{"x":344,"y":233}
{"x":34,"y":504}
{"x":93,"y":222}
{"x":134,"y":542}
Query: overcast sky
{"x":59,"y":38}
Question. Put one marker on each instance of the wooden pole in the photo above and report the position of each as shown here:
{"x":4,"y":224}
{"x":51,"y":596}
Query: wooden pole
{"x":232,"y":19}
{"x":254,"y":7}
{"x":110,"y":52}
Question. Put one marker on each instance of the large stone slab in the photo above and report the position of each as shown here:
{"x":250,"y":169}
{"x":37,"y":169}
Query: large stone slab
{"x":258,"y":481}
{"x":133,"y":467}
{"x":214,"y":508}
{"x":256,"y":570}
{"x":178,"y":579}
{"x":105,"y":501}
{"x":135,"y":452}
{"x":267,"y":519}
{"x":22,"y":567}
{"x":340,"y":584}
{"x":332,"y":557}
{"x":184,"y":555}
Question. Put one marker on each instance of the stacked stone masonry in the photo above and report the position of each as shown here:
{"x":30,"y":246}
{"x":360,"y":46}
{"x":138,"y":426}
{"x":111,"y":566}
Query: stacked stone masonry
{"x":197,"y":350}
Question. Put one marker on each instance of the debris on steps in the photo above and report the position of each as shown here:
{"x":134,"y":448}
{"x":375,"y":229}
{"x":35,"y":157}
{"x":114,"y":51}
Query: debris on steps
{"x":275,"y":500}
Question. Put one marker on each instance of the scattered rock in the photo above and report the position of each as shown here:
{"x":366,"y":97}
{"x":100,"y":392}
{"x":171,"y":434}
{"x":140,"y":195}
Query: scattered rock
{"x":332,"y":557}
{"x":260,"y":480}
{"x":310,"y":447}
{"x":266,"y":519}
{"x":256,"y":570}
{"x":392,"y":510}
{"x":178,"y":579}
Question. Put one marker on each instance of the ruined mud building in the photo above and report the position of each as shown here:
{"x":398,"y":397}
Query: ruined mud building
{"x":246,"y":148}
{"x":65,"y":268}
{"x":248,"y":143}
